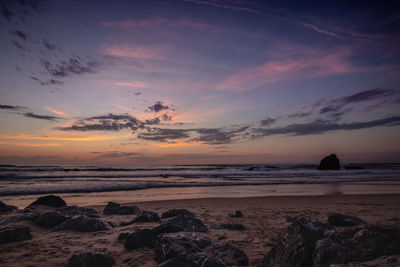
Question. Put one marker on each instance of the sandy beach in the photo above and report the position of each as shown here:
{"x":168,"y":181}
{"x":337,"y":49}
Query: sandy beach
{"x":264,"y":220}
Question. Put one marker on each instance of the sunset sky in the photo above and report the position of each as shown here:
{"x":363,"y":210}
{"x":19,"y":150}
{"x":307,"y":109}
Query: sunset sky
{"x":177,"y":82}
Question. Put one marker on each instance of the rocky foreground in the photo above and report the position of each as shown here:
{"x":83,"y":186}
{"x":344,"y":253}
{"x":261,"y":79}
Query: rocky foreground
{"x":48,"y":232}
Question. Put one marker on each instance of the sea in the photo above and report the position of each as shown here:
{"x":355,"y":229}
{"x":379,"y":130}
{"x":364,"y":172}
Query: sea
{"x":96,"y":185}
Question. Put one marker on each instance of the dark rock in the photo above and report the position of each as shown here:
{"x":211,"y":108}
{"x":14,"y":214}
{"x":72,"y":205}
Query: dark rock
{"x":30,"y":216}
{"x":6,"y":208}
{"x":330,"y":162}
{"x":75,"y":210}
{"x":50,"y":219}
{"x":147,"y":237}
{"x":183,"y":250}
{"x":290,"y":219}
{"x":139,"y":239}
{"x":14,"y":234}
{"x":343,"y":220}
{"x":115,"y":208}
{"x":329,"y":251}
{"x":377,"y":241}
{"x":50,"y":200}
{"x":177,"y":212}
{"x":83,"y":224}
{"x":90,"y":259}
{"x":229,"y":226}
{"x":230,"y":255}
{"x":238,"y":214}
{"x":188,"y":224}
{"x":123,"y":236}
{"x":147,"y":216}
{"x":384,"y":261}
{"x":297,"y":246}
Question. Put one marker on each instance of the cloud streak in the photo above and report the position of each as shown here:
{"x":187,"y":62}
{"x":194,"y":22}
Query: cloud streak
{"x":41,"y":117}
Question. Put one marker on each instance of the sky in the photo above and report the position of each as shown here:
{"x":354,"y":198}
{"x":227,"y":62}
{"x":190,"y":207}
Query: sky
{"x":161,"y":82}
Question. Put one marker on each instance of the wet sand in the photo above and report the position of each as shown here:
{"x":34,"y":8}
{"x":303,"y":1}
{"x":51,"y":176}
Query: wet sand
{"x":264,"y":219}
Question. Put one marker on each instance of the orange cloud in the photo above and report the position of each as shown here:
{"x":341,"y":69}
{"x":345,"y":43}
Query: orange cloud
{"x":58,"y":138}
{"x":58,"y":112}
{"x":28,"y":144}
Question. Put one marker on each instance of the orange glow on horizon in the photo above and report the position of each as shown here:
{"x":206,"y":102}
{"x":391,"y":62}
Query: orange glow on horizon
{"x":59,"y":138}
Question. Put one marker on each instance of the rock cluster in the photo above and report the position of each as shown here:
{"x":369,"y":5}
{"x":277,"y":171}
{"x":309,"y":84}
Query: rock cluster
{"x":90,"y":259}
{"x":115,"y":208}
{"x":316,"y":244}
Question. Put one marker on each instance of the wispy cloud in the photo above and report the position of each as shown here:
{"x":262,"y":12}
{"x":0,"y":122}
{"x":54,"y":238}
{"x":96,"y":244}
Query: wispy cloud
{"x":307,"y":64}
{"x":44,"y":83}
{"x":55,"y":111}
{"x":10,"y":107}
{"x":133,"y":84}
{"x":232,"y":5}
{"x":58,"y":138}
{"x":29,"y":144}
{"x":155,"y":51}
{"x":41,"y":117}
{"x":130,"y":24}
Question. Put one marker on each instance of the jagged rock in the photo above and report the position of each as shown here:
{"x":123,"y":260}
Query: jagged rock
{"x":329,"y":251}
{"x":330,"y":162}
{"x":377,"y":241}
{"x":177,"y":212}
{"x":90,"y":259}
{"x":6,"y":208}
{"x":297,"y":246}
{"x":14,"y":234}
{"x":147,"y":216}
{"x":343,"y":220}
{"x":188,"y":224}
{"x":115,"y":208}
{"x":184,"y":250}
{"x":230,"y":255}
{"x":50,"y":200}
{"x":384,"y":261}
{"x":237,"y":214}
{"x":75,"y":210}
{"x":50,"y":219}
{"x":366,"y":244}
{"x":229,"y":226}
{"x":83,"y":224}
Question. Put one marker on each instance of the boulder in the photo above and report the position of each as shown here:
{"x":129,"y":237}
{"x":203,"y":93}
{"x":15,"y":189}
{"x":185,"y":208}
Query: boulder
{"x":334,"y":251}
{"x":337,"y":219}
{"x":177,"y":212}
{"x":115,"y":208}
{"x":297,"y":246}
{"x":83,"y":224}
{"x":14,"y":234}
{"x":230,"y":255}
{"x":188,"y":224}
{"x":229,"y":226}
{"x":90,"y":259}
{"x":75,"y":210}
{"x":50,"y":200}
{"x":30,"y":216}
{"x":50,"y":219}
{"x":237,"y":214}
{"x":6,"y":208}
{"x":139,"y":239}
{"x":147,"y":237}
{"x":147,"y":216}
{"x":193,"y":250}
{"x":184,"y":250}
{"x":330,"y":162}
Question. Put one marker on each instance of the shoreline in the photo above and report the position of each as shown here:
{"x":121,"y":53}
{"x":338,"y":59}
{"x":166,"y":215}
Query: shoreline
{"x":242,"y":191}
